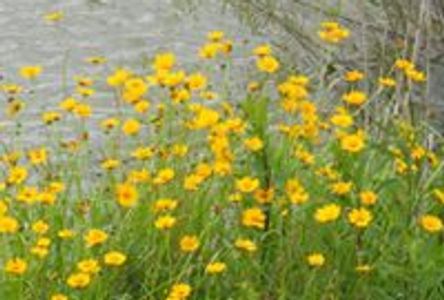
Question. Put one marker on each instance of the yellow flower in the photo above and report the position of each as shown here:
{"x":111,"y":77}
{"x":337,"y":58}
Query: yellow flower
{"x":418,"y":152}
{"x":79,"y":280}
{"x":353,"y":142}
{"x":110,"y":164}
{"x":215,"y":36}
{"x":439,"y":195}
{"x":164,"y":204}
{"x":387,"y":82}
{"x":363,"y":268}
{"x":245,"y":245}
{"x":38,"y":156}
{"x":59,"y":297}
{"x":316,"y":260}
{"x":118,"y":77}
{"x":3,"y":207}
{"x":82,"y":110}
{"x":165,"y":222}
{"x":368,"y":197}
{"x":14,"y":107}
{"x":8,"y":224}
{"x":196,"y":81}
{"x":66,"y":234}
{"x":327,"y":213}
{"x":127,"y":195}
{"x":254,"y":217}
{"x":141,"y":106}
{"x":164,"y":61}
{"x":404,"y":64}
{"x":353,"y":76}
{"x":264,"y":196}
{"x":247,"y":184}
{"x":54,"y":16}
{"x":341,"y":188}
{"x":138,"y":176}
{"x":210,"y":50}
{"x":96,"y":60}
{"x":262,"y":50}
{"x":333,"y":32}
{"x":30,"y":72}
{"x":88,"y":266}
{"x":17,"y":175}
{"x":304,"y":156}
{"x":179,"y":150}
{"x":254,"y":144}
{"x":114,"y":258}
{"x":40,"y":227}
{"x":360,"y":217}
{"x":164,"y":176}
{"x":431,"y":223}
{"x":355,"y":98}
{"x":179,"y":291}
{"x":189,"y":243}
{"x":416,"y":75}
{"x":12,"y":89}
{"x":268,"y":64}
{"x":296,"y":191}
{"x":109,"y":124}
{"x":215,"y":268}
{"x":43,"y":242}
{"x":134,"y":89}
{"x":95,"y":237}
{"x":51,"y":117}
{"x":143,"y":153}
{"x":16,"y":266}
{"x":131,"y":127}
{"x":342,"y":118}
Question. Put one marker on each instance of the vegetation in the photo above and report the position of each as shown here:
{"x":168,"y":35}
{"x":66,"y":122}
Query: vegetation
{"x":187,"y":190}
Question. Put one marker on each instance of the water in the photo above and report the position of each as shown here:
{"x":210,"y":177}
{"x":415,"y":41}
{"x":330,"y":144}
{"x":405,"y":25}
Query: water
{"x":127,"y":32}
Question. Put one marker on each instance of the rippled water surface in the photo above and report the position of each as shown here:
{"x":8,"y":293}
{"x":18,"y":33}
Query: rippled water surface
{"x":127,"y":32}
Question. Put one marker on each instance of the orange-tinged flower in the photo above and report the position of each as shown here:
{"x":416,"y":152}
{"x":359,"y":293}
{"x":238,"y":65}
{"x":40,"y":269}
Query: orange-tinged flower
{"x":16,"y":266}
{"x":355,"y":98}
{"x":131,"y":127}
{"x":127,"y":195}
{"x":353,"y":143}
{"x":94,"y":237}
{"x":8,"y":224}
{"x":254,"y":217}
{"x":431,"y":223}
{"x":353,"y":76}
{"x":189,"y":243}
{"x":247,"y":184}
{"x":360,"y":217}
{"x":368,"y":197}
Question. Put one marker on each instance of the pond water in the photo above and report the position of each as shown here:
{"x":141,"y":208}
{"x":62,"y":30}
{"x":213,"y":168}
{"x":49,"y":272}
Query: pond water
{"x":126,"y":32}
